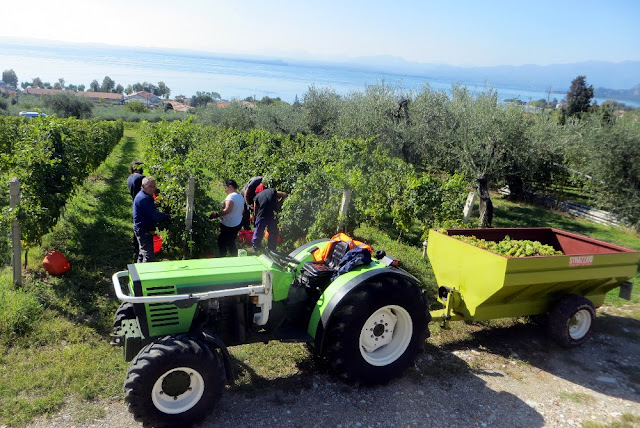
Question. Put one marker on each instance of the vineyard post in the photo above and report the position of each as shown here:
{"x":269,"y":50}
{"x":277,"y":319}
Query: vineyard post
{"x":14,"y":201}
{"x":468,"y":206}
{"x":191,"y":188}
{"x":344,"y":210}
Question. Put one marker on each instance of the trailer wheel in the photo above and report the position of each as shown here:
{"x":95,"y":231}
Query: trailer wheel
{"x":175,"y":381}
{"x":377,"y":331}
{"x":571,"y":319}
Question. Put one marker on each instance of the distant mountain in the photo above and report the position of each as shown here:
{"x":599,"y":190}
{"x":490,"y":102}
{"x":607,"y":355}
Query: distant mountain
{"x":558,"y":77}
{"x":632,"y":94}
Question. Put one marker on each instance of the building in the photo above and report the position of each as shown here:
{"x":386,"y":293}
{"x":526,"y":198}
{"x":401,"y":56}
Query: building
{"x":149,"y":99}
{"x":100,"y":97}
{"x":176,"y":106}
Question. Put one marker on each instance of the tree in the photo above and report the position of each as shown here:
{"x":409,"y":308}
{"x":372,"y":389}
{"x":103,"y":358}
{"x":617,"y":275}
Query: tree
{"x":579,"y":97}
{"x":201,"y":99}
{"x":10,"y":78}
{"x":118,"y":89}
{"x":163,"y":90}
{"x":322,"y":110}
{"x":107,"y":84}
{"x":136,"y":107}
{"x":67,"y":104}
{"x":94,"y":86}
{"x":81,"y":87}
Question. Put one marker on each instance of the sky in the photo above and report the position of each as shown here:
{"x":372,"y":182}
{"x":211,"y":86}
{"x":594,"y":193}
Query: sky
{"x":465,"y":33}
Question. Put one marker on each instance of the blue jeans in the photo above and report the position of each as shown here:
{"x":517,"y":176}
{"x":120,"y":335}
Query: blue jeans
{"x":271,"y":225}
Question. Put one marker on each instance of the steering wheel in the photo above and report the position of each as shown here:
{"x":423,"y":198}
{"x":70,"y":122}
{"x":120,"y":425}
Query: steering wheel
{"x":281,"y":260}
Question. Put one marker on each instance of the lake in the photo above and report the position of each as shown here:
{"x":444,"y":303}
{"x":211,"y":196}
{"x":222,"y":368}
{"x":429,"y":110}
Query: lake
{"x":185,"y":73}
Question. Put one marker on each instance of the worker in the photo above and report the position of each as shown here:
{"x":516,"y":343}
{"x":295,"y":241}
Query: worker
{"x":145,"y":219}
{"x":266,"y":204}
{"x":134,"y":183}
{"x":230,"y":219}
{"x":248,"y":192}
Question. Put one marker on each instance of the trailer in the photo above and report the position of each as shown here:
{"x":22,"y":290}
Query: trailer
{"x":476,"y":285}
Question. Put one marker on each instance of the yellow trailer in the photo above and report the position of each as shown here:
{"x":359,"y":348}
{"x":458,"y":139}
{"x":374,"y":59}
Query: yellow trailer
{"x":476,"y":284}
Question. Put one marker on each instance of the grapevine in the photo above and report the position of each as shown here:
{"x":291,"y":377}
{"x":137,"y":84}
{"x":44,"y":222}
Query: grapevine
{"x":511,"y":247}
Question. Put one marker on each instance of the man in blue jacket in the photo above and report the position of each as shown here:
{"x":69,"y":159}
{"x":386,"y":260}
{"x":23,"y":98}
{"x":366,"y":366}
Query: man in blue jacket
{"x":145,"y":218}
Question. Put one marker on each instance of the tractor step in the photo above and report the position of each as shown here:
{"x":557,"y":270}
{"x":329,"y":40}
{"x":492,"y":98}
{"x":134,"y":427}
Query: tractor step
{"x":289,"y":333}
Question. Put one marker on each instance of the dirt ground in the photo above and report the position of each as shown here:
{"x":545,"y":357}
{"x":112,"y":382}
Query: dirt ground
{"x":509,"y":376}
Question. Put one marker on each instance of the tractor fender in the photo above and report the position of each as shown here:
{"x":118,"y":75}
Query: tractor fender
{"x":340,"y":288}
{"x":216,"y":343}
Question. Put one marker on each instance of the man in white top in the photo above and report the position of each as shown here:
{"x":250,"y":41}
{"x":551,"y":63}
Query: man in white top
{"x":230,"y":219}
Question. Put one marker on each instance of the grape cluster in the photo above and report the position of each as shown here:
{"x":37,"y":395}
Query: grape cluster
{"x":511,"y":247}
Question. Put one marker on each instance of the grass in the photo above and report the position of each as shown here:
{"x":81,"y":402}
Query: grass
{"x":54,"y":350}
{"x":58,"y":350}
{"x":627,"y":420}
{"x":577,"y":397}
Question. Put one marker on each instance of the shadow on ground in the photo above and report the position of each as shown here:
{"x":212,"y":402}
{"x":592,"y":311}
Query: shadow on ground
{"x":315,"y":397}
{"x":606,"y":363}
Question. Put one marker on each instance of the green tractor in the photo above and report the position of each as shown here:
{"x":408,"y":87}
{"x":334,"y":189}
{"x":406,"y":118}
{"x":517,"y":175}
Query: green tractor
{"x":177,"y":319}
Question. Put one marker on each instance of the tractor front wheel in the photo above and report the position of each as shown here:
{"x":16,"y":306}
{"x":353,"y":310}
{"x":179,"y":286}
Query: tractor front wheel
{"x":570,"y":320}
{"x":124,"y":312}
{"x":174,"y":381}
{"x":377,"y":331}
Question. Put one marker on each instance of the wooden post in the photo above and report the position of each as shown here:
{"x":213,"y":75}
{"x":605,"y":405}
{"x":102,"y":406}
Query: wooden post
{"x":468,"y":206}
{"x":191,"y":188}
{"x":16,"y":234}
{"x":344,"y":210}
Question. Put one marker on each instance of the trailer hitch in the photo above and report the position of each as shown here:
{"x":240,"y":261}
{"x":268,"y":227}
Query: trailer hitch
{"x":446,"y":295}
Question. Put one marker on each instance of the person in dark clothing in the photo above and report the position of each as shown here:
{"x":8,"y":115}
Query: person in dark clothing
{"x":248,"y":192}
{"x":134,"y":183}
{"x":265,"y":205}
{"x":145,"y":218}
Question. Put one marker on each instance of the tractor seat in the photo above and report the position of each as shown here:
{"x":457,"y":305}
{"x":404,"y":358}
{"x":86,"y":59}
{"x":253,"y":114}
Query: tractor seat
{"x":330,"y":265}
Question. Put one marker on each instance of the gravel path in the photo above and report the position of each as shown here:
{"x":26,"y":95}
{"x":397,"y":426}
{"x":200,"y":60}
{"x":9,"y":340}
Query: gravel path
{"x":504,"y":377}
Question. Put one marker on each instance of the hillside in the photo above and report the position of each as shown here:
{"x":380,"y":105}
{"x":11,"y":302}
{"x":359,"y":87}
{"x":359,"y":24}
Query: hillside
{"x":632,"y":94}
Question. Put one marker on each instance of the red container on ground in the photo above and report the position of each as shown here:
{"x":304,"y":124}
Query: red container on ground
{"x":55,"y":263}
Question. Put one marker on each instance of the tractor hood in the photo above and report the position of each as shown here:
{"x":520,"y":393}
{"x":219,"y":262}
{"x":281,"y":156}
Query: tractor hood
{"x":196,"y":276}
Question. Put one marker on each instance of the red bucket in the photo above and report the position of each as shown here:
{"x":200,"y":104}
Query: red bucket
{"x":245,"y":236}
{"x":157,"y":243}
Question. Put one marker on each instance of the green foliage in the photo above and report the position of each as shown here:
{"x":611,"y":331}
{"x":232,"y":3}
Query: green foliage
{"x":67,"y":104}
{"x":314,"y":173}
{"x":435,"y":201}
{"x":10,"y":78}
{"x":50,"y":157}
{"x":136,"y":107}
{"x":607,"y":152}
{"x":511,"y":247}
{"x":166,"y":150}
{"x":19,"y":313}
{"x":410,"y":257}
{"x":321,"y":107}
{"x":579,"y":97}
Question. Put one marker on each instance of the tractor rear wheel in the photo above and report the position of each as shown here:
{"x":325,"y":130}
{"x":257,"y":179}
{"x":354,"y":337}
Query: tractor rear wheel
{"x":174,"y":381}
{"x":377,"y":331}
{"x":571,"y":319}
